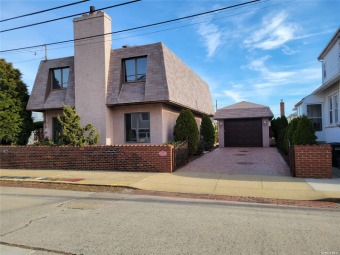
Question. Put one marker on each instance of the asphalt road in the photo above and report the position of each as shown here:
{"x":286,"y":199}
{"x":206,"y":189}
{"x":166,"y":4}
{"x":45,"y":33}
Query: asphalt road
{"x":39,"y":221}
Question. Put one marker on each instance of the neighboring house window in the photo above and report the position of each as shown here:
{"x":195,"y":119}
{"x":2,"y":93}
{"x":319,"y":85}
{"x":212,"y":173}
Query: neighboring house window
{"x":135,"y":69}
{"x":333,"y":102}
{"x":330,"y":101}
{"x":314,"y":114}
{"x":324,"y":69}
{"x":56,"y":129}
{"x":59,"y":78}
{"x":336,"y":108}
{"x":137,"y":127}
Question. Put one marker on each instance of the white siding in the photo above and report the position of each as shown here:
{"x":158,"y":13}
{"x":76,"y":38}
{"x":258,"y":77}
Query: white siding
{"x":331,"y":63}
{"x":332,"y":132}
{"x":302,"y":110}
{"x":311,"y":99}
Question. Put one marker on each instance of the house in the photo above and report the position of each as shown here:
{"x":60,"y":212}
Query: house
{"x":244,"y":124}
{"x":322,"y":106}
{"x":131,"y":95}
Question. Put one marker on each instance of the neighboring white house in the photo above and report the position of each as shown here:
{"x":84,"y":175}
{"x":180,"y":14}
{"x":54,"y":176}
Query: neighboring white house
{"x":322,"y":106}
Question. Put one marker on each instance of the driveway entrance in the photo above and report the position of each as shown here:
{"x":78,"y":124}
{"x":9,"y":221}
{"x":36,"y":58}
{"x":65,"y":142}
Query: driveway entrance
{"x":261,"y":161}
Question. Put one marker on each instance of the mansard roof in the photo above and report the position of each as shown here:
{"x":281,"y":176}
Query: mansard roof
{"x":168,"y":80}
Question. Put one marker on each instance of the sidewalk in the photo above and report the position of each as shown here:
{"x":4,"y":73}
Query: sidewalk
{"x":262,"y":186}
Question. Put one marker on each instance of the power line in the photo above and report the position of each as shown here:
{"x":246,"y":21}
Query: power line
{"x":135,"y":28}
{"x":66,"y":17}
{"x":38,"y":12}
{"x":27,"y":60}
{"x":173,"y":28}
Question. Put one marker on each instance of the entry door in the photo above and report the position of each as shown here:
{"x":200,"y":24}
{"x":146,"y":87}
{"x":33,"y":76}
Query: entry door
{"x":243,"y":133}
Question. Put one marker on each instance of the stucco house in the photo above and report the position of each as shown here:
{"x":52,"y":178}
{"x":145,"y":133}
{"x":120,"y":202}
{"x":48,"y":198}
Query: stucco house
{"x":131,"y":94}
{"x":244,"y":124}
{"x":322,"y":106}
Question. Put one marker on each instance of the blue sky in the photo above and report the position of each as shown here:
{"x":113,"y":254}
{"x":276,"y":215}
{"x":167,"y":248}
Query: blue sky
{"x":260,"y":53}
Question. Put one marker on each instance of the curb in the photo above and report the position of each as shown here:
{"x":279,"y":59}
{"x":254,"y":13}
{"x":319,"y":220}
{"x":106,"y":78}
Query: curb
{"x":56,"y":183}
{"x":320,"y":203}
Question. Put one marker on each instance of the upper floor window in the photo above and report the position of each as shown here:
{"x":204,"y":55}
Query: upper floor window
{"x":314,"y":114}
{"x":59,"y":78}
{"x":135,"y":69}
{"x":324,"y":74}
{"x":333,"y":105}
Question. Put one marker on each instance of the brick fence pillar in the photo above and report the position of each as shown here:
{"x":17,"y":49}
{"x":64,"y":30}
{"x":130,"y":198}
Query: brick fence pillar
{"x":313,"y":161}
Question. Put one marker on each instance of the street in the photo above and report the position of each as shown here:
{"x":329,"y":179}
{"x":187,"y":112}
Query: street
{"x":44,"y":221}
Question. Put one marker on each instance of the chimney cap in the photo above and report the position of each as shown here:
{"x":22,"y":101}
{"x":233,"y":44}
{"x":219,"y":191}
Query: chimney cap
{"x":92,"y":9}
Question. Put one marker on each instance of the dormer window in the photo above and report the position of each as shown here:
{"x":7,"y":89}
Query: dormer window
{"x":59,"y":78}
{"x":135,"y":69}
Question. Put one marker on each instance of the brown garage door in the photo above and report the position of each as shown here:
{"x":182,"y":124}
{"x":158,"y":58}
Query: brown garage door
{"x":243,"y":133}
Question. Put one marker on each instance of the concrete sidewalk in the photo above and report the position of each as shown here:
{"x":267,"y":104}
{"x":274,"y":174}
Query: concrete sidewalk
{"x":263,"y":186}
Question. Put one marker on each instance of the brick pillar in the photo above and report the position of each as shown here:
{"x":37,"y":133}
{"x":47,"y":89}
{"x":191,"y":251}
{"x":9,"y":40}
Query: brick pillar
{"x":282,"y":108}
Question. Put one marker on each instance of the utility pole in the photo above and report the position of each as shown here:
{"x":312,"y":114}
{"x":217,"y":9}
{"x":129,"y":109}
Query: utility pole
{"x":45,"y":52}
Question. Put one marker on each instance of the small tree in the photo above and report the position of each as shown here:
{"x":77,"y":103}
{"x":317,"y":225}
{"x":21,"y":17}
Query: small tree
{"x":304,"y":133}
{"x":290,"y":132}
{"x":186,"y":129}
{"x":73,"y":133}
{"x":208,"y":132}
{"x":281,"y":140}
{"x":283,"y":122}
{"x":277,"y":125}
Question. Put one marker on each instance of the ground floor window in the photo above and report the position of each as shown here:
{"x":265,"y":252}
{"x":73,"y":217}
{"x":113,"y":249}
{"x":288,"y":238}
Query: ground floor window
{"x":56,"y":129}
{"x":137,"y":127}
{"x":314,"y":114}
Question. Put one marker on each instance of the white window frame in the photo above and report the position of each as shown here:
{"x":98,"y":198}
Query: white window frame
{"x":333,"y":109}
{"x":324,"y":71}
{"x":315,"y":118}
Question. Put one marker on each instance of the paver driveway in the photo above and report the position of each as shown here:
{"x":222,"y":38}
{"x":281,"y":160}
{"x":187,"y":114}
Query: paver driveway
{"x":264,"y":161}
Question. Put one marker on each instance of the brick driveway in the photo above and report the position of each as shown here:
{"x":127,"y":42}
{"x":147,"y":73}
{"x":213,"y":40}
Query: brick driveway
{"x":261,"y":161}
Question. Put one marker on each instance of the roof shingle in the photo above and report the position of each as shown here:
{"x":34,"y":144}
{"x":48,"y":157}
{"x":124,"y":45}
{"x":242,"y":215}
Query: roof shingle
{"x":243,"y":110}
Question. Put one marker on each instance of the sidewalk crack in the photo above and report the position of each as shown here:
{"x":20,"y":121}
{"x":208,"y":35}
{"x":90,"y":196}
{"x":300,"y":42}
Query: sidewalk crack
{"x":216,"y":184}
{"x":25,"y":226}
{"x":309,"y":184}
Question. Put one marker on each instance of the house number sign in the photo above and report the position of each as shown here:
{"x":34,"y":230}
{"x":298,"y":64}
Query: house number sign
{"x":162,"y":153}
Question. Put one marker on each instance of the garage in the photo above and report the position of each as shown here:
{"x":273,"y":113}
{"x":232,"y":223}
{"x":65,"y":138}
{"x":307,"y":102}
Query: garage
{"x":243,"y":133}
{"x":244,"y":124}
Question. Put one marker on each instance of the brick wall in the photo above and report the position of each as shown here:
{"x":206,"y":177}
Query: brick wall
{"x":313,"y":161}
{"x":141,"y":158}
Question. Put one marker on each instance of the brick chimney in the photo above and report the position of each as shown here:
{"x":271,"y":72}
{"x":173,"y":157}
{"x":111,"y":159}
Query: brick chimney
{"x":91,"y":69}
{"x":282,"y":108}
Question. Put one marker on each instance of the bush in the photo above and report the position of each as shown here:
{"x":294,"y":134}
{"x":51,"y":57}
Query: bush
{"x":277,"y":125}
{"x":175,"y":144}
{"x":186,"y":129}
{"x":208,"y":133}
{"x":290,"y":132}
{"x":281,"y":141}
{"x":304,"y":133}
{"x":73,"y":133}
{"x":44,"y":142}
{"x":283,"y":123}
